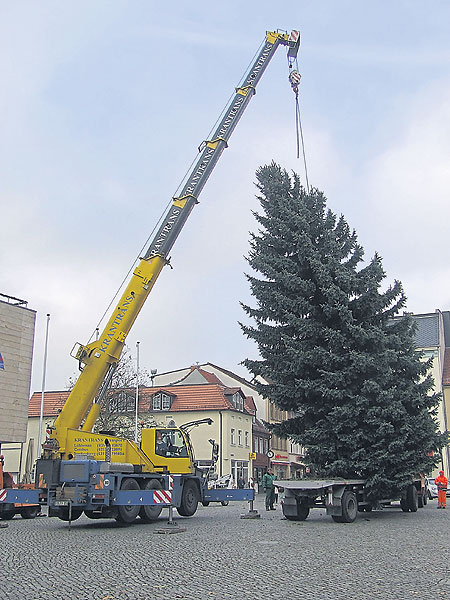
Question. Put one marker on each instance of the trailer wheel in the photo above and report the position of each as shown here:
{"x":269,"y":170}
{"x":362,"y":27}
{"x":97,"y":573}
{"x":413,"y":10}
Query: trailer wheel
{"x":189,"y":499}
{"x":412,"y":498}
{"x":150,"y":513}
{"x":7,"y":515}
{"x":127,"y":514}
{"x":302,"y":512}
{"x":349,"y":506}
{"x":30,"y":512}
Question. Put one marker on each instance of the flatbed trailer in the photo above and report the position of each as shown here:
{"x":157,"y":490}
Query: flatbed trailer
{"x":9,"y":504}
{"x":23,"y":501}
{"x":342,"y":498}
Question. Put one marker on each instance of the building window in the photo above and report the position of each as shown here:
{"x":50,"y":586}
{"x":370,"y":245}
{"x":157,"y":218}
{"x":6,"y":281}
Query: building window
{"x":122,"y":402}
{"x":237,"y":401}
{"x":239,"y":437}
{"x":239,"y":468}
{"x":247,"y":444}
{"x":233,"y":437}
{"x":277,"y":414}
{"x":161,"y":401}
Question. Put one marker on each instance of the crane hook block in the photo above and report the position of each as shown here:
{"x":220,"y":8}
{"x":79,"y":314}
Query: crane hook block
{"x":294,"y":78}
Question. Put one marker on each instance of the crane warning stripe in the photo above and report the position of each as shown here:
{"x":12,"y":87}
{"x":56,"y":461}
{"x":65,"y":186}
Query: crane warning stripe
{"x":2,"y":495}
{"x":170,"y":482}
{"x":294,"y":36}
{"x":162,"y":497}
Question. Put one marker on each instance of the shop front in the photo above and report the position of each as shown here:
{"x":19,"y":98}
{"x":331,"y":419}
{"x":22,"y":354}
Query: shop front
{"x":280,"y":465}
{"x":297,"y":468}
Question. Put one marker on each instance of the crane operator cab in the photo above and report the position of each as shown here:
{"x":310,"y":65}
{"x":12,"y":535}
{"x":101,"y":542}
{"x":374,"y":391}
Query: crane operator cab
{"x":169,"y":448}
{"x":170,"y":443}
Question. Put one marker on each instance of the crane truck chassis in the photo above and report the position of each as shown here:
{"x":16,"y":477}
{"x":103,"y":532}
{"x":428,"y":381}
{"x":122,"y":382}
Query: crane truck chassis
{"x":106,"y":489}
{"x":342,"y":499}
{"x":107,"y":476}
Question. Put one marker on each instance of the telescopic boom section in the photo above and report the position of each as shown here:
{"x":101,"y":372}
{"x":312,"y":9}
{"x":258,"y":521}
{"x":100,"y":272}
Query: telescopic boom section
{"x":100,"y":357}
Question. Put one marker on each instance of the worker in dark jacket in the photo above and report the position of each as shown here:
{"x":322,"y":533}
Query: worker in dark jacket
{"x":269,"y":488}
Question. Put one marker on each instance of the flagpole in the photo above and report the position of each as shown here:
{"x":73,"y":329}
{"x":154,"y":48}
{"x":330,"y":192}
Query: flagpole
{"x":137,"y":394}
{"x":44,"y":369}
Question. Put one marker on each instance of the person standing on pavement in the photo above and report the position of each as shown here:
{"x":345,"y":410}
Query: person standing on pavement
{"x":442,"y":484}
{"x":269,"y":488}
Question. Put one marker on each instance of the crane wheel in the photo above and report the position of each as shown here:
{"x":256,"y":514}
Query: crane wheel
{"x":30,"y":512}
{"x":189,"y":499}
{"x":64,"y":514}
{"x":150,"y":513}
{"x":127,"y":514}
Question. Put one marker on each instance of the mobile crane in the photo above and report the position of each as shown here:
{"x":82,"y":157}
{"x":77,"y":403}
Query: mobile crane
{"x":104,"y":475}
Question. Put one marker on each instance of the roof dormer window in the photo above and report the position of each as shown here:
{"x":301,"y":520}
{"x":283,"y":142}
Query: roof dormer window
{"x":161,"y":401}
{"x":238,"y":401}
{"x":122,"y":402}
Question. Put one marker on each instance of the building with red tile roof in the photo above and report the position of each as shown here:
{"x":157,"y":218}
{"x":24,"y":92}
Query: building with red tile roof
{"x":53,"y":403}
{"x":192,"y":398}
{"x":286,"y":458}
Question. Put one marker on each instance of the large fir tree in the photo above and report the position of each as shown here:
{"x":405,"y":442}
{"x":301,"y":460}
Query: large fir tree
{"x":333,"y":349}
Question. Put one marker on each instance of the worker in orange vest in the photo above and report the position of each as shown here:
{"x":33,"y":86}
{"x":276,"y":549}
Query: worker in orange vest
{"x":442,"y":483}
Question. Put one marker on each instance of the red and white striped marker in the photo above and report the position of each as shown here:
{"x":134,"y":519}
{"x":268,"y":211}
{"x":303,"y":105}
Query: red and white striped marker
{"x":162,"y":497}
{"x":294,"y":35}
{"x":2,"y":495}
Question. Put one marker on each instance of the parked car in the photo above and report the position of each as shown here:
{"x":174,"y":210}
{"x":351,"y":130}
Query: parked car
{"x":432,"y":489}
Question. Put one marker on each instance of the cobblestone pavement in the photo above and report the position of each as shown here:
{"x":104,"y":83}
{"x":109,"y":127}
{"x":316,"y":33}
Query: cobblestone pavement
{"x":384,"y":554}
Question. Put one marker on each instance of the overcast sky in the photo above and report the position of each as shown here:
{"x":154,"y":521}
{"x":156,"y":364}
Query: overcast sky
{"x":103,"y":105}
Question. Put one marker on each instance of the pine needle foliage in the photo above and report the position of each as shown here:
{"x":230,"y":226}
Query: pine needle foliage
{"x":332,"y":345}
